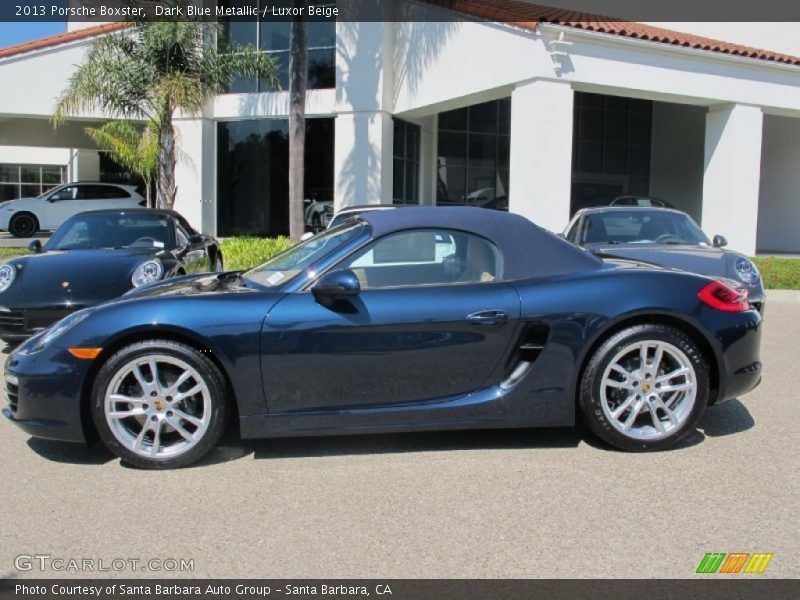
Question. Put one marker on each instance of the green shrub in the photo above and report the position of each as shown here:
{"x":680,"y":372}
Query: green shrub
{"x":247,"y":252}
{"x":779,"y":273}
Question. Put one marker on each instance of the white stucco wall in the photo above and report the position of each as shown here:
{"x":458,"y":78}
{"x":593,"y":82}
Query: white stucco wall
{"x":732,"y":173}
{"x":31,"y":82}
{"x":24,"y":155}
{"x":779,"y":201}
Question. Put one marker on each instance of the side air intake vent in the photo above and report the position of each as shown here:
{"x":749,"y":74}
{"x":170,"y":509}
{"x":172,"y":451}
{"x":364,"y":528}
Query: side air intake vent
{"x":529,"y":346}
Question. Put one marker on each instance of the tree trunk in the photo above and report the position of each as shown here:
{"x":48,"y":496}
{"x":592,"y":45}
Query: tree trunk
{"x":298,"y":82}
{"x":165,"y":193}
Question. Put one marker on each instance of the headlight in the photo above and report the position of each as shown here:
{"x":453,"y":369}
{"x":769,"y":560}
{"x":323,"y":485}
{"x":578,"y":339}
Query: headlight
{"x":147,"y":272}
{"x":746,"y":271}
{"x":7,"y":275}
{"x":59,"y":328}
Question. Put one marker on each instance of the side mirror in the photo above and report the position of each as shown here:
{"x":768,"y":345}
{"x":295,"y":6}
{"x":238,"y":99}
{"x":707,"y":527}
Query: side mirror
{"x":195,"y":240}
{"x":35,"y":246}
{"x":307,"y":236}
{"x":336,"y":285}
{"x":719,"y":241}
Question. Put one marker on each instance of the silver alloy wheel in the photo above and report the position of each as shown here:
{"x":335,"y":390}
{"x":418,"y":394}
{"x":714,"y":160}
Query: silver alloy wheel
{"x":648,"y":390}
{"x":157,"y":406}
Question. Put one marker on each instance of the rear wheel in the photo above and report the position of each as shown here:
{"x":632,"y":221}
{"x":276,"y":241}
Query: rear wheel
{"x":159,"y":404}
{"x":645,"y":388}
{"x":23,"y":225}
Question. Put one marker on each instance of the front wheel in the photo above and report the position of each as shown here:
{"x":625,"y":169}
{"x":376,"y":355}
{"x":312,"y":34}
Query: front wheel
{"x":23,"y":225}
{"x":159,"y":404}
{"x":645,"y":388}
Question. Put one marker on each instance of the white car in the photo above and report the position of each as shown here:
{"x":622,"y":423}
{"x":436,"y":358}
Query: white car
{"x":23,"y":217}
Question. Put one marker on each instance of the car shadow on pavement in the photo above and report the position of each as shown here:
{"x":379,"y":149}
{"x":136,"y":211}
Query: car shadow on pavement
{"x":71,"y":453}
{"x":729,"y":418}
{"x":398,"y":443}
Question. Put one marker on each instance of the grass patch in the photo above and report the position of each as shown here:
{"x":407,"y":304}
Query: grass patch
{"x":9,"y":253}
{"x":247,"y":252}
{"x":779,"y":273}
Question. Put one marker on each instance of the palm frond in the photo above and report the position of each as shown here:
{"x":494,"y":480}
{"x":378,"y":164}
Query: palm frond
{"x":135,"y":148}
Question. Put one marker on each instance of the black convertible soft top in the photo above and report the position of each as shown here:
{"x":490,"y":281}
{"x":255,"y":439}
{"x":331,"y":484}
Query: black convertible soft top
{"x":528,"y":250}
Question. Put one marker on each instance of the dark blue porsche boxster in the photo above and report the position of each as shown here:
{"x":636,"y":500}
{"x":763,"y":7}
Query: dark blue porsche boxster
{"x":97,"y":256}
{"x":417,"y":319}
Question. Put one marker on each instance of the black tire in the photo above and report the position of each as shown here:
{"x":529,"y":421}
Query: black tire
{"x":23,"y":225}
{"x":202,"y":365}
{"x":598,"y":413}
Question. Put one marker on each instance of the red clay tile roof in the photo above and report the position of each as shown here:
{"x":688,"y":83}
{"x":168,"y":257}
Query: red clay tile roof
{"x":61,"y":38}
{"x":530,"y":16}
{"x":515,"y":12}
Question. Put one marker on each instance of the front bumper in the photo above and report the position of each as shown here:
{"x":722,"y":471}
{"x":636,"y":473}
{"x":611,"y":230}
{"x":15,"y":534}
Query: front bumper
{"x":43,"y":394}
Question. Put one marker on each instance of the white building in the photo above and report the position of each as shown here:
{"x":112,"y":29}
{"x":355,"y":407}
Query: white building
{"x":544,"y":117}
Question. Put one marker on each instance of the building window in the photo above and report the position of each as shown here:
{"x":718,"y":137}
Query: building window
{"x":473,"y":157}
{"x":253,"y":173}
{"x":406,"y":162}
{"x":610,"y":148}
{"x":272,"y":37}
{"x":23,"y":181}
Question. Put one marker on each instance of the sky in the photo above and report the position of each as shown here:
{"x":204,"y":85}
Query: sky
{"x":17,"y":33}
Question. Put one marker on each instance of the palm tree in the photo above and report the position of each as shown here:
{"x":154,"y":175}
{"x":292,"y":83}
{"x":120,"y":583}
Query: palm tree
{"x":298,"y":83}
{"x":152,"y":69}
{"x":135,"y":148}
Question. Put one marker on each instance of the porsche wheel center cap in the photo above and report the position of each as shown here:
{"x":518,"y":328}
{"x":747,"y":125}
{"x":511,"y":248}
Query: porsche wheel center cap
{"x":158,"y":405}
{"x":646,"y":388}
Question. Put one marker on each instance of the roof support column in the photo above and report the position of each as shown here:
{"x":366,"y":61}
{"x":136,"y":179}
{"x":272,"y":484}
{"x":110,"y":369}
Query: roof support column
{"x":732,"y":174}
{"x":362,"y":164}
{"x":195,"y":172}
{"x":541,"y":152}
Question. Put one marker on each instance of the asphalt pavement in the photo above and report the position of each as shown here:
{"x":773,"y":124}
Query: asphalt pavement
{"x":510,"y":504}
{"x":9,"y":241}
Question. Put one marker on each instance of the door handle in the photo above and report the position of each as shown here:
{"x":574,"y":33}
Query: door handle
{"x":488,"y":317}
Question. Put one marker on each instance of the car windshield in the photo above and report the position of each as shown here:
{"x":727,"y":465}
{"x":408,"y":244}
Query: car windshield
{"x":285,"y":267}
{"x":113,"y":230}
{"x":641,"y":226}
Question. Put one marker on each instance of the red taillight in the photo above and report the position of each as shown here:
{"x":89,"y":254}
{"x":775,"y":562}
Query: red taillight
{"x":723,"y":297}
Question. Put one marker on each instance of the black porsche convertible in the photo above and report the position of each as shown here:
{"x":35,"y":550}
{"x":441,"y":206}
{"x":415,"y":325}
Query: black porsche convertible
{"x":97,"y":256}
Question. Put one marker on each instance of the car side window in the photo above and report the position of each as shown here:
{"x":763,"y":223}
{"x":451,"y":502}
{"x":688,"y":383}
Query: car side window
{"x":71,"y":192}
{"x":426,"y":257}
{"x":182,"y":238}
{"x":111,"y":192}
{"x":572,"y":230}
{"x":93,"y":192}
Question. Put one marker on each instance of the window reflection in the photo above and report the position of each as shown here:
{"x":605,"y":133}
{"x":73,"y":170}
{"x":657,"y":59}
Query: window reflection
{"x":473,"y":155}
{"x":253,"y":173}
{"x":273,"y":37}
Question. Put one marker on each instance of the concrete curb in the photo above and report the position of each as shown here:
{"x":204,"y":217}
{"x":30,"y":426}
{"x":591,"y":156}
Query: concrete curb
{"x":783,"y":296}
